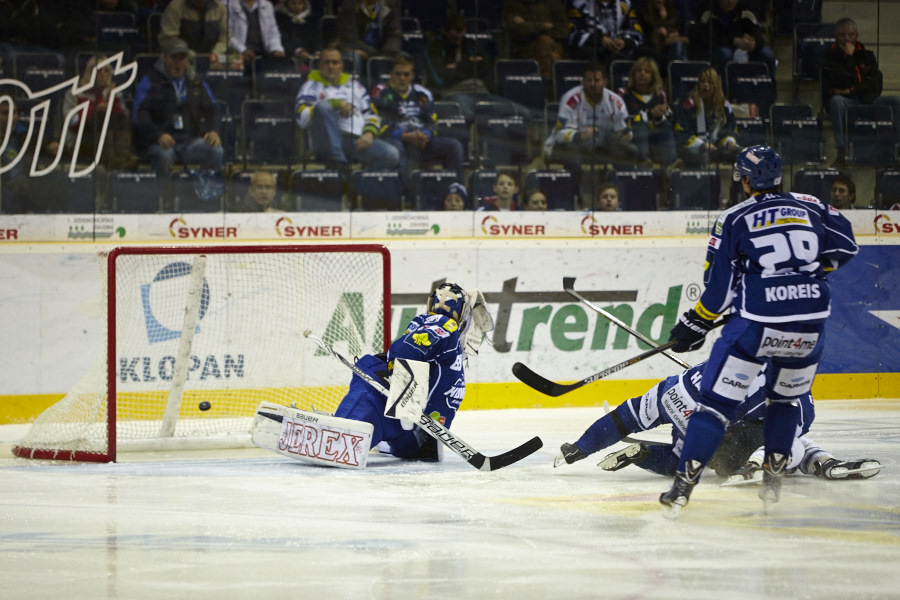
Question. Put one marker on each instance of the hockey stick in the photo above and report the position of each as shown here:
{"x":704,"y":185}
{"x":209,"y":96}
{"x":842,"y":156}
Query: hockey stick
{"x":438,"y":431}
{"x":569,"y":288}
{"x":550,"y":388}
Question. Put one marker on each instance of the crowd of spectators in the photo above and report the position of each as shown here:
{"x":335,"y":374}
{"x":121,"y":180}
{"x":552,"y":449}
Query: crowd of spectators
{"x":368,"y":87}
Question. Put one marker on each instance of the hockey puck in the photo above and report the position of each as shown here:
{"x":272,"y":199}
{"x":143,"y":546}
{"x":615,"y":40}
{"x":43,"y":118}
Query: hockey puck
{"x":205,"y":405}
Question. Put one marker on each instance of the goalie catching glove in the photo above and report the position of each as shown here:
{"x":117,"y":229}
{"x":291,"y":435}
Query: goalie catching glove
{"x":690,"y":332}
{"x":479,"y":321}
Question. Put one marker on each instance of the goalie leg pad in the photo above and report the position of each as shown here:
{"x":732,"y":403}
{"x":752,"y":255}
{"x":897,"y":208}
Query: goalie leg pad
{"x":312,"y":437}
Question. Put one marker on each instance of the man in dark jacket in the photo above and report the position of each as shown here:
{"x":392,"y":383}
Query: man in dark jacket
{"x":850,"y":76}
{"x":368,"y":28}
{"x":175,"y":114}
{"x":729,"y":31}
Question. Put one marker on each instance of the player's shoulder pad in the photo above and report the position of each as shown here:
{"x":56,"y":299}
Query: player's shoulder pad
{"x":806,"y":198}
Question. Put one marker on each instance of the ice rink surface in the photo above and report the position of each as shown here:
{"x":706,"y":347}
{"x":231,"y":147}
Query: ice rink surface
{"x":251,"y":524}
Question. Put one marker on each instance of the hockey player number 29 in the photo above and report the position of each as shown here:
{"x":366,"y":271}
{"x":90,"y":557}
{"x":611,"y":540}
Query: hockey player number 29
{"x":796,"y":244}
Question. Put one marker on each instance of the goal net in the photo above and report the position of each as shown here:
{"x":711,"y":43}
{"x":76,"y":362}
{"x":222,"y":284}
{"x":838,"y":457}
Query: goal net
{"x":197,"y":337}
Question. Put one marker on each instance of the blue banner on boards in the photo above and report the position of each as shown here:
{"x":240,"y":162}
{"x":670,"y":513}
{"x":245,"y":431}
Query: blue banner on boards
{"x":863,"y":333}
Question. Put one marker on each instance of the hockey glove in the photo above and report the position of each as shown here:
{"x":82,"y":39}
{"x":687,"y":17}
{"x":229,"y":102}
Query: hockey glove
{"x":690,"y":332}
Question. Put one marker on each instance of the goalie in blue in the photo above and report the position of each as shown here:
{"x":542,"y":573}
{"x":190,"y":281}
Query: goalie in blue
{"x":766,"y":262}
{"x":452,"y":327}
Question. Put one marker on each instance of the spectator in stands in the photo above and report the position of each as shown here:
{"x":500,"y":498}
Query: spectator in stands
{"x":368,"y":28}
{"x":175,"y":115}
{"x":850,"y":76}
{"x":843,"y":193}
{"x":648,"y":113}
{"x":592,"y":125}
{"x":535,"y":199}
{"x":298,"y":22}
{"x":15,"y":184}
{"x":705,"y":126}
{"x":607,"y":197}
{"x":409,"y":122}
{"x":727,"y":31}
{"x":261,"y":196}
{"x":116,"y":152}
{"x":254,"y":32}
{"x":456,"y":197}
{"x":603,"y":30}
{"x":201,"y":24}
{"x":538,"y":30}
{"x":661,"y":25}
{"x":505,"y":198}
{"x":338,"y":115}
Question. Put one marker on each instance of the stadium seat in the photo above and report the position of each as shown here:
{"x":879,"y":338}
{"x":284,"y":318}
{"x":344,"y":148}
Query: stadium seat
{"x":751,"y":131}
{"x":638,"y":189}
{"x":117,"y":31}
{"x":618,"y":73}
{"x":566,"y":75}
{"x":377,"y":190}
{"x":233,"y":87}
{"x":198,"y":192}
{"x":135,"y":192}
{"x":887,"y":188}
{"x":432,"y":15}
{"x":39,"y":70}
{"x":328,"y":30}
{"x":557,"y":184}
{"x":528,"y":90}
{"x":503,"y":135}
{"x":815,"y":182}
{"x":318,"y":190}
{"x":154,"y":25}
{"x":811,"y":41}
{"x":796,"y":133}
{"x":694,"y":190}
{"x":481,"y":184}
{"x":430,"y":187}
{"x":683,"y":76}
{"x":870,"y":135}
{"x":268,"y":133}
{"x":379,"y":70}
{"x":56,"y":192}
{"x":452,"y":123}
{"x":749,"y":83}
{"x":279,"y":83}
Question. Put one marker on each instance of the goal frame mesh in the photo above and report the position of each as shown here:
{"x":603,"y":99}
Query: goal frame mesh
{"x":25,"y":450}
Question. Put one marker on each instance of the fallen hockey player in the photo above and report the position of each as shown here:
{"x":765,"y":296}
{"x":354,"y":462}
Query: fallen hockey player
{"x":739,"y":457}
{"x":423,"y":371}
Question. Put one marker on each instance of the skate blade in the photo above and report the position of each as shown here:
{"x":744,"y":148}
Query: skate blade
{"x":849,"y":473}
{"x":671,"y":511}
{"x":736,"y":480}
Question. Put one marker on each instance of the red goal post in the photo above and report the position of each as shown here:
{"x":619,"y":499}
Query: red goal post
{"x":197,"y":336}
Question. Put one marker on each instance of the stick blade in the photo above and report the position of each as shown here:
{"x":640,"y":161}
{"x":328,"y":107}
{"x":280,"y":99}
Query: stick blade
{"x":535,"y":381}
{"x":492,"y":463}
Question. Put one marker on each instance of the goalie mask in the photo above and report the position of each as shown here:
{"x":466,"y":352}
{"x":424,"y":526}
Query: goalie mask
{"x":449,"y":299}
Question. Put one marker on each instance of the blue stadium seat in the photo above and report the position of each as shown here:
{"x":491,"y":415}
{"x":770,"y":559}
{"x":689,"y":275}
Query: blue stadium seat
{"x":281,"y":82}
{"x":196,"y":193}
{"x":796,"y":133}
{"x":56,"y":192}
{"x":887,"y":188}
{"x":752,"y":131}
{"x":618,"y":73}
{"x":318,"y":190}
{"x":481,"y":184}
{"x":557,"y":184}
{"x":638,"y":189}
{"x":870,"y":135}
{"x":815,"y":182}
{"x":377,"y":190}
{"x":430,"y":187}
{"x":683,"y":76}
{"x":503,"y":134}
{"x":230,"y":86}
{"x":452,"y":123}
{"x":811,"y":41}
{"x":117,"y":31}
{"x":566,"y":75}
{"x":378,"y":71}
{"x":694,"y":190}
{"x":135,"y":192}
{"x":269,"y":133}
{"x":750,"y":83}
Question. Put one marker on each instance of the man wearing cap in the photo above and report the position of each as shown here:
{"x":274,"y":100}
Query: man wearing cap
{"x":175,"y":115}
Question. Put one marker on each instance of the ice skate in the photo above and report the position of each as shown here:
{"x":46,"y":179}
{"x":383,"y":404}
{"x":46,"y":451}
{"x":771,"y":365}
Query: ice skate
{"x":568,"y":454}
{"x":678,"y":495}
{"x":634,"y":453}
{"x":773,"y":471}
{"x":750,"y":473}
{"x":862,"y":468}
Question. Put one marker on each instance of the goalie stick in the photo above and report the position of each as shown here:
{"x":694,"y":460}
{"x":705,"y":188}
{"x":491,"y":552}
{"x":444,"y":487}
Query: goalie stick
{"x":438,"y":431}
{"x":551,"y":388}
{"x":569,"y":288}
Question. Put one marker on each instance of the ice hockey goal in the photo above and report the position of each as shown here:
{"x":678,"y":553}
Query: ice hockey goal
{"x":198,"y":336}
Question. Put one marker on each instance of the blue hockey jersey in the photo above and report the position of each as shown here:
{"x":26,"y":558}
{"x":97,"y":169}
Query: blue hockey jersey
{"x":768,"y":257}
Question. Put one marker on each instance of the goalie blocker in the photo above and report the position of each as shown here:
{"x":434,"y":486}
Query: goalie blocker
{"x":312,"y":437}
